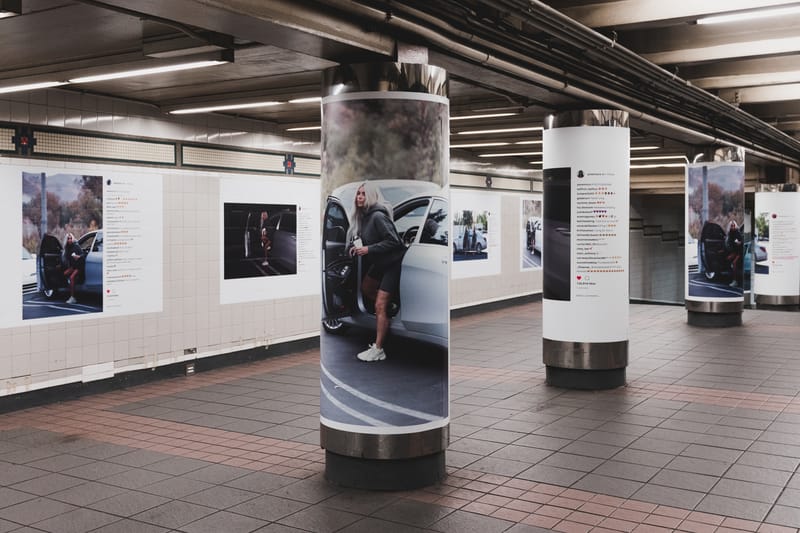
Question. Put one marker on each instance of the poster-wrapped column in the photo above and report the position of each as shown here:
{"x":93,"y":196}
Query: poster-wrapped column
{"x":715,"y":238}
{"x":384,"y":390}
{"x":775,"y":249}
{"x":586,"y":182}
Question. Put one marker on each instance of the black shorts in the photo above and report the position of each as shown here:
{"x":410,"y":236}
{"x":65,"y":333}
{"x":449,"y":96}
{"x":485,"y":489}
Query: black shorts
{"x":389,"y":277}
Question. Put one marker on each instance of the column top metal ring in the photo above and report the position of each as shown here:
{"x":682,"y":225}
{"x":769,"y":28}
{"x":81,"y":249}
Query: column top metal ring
{"x":385,"y":76}
{"x":614,"y":118}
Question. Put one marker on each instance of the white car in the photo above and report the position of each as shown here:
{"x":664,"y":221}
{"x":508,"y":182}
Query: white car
{"x":28,"y":271}
{"x":421,"y":219}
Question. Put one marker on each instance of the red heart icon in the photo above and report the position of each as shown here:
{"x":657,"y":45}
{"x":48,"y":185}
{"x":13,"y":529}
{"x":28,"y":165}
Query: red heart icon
{"x":579,"y":278}
{"x":108,"y":291}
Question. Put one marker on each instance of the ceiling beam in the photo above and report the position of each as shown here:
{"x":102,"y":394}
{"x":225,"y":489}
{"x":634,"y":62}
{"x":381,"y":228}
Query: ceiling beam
{"x":769,"y":93}
{"x":744,"y":73}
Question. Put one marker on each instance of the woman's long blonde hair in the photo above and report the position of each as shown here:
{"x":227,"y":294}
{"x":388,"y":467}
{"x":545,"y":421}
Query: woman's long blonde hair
{"x":372,"y":197}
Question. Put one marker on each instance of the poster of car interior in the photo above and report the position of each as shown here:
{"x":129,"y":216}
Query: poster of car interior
{"x":476,"y":233}
{"x":385,"y":263}
{"x":531,"y":233}
{"x":715,"y":229}
{"x":585,"y":214}
{"x":775,"y":250}
{"x":91,"y":241}
{"x":270,"y":240}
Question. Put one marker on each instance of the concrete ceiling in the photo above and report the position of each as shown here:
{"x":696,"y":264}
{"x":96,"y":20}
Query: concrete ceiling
{"x":726,"y":74}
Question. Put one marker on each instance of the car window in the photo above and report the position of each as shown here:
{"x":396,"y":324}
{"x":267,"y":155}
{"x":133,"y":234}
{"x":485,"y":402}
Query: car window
{"x":86,"y":242}
{"x":411,"y":216}
{"x":98,"y":243}
{"x":26,"y":254}
{"x":436,"y":225}
{"x":336,"y":223}
{"x":288,"y":223}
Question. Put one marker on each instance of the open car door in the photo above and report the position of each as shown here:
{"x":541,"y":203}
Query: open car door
{"x":49,"y":266}
{"x":338,"y":276}
{"x":424,"y":226}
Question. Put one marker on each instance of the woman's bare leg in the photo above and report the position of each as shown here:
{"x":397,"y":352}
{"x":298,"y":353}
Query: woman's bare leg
{"x":382,"y":317}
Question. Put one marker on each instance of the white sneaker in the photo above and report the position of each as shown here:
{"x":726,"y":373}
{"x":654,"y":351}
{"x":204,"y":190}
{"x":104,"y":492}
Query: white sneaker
{"x":72,"y":300}
{"x":265,"y":263}
{"x":372,"y":354}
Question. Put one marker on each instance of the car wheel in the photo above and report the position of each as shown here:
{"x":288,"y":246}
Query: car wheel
{"x":334,"y":326}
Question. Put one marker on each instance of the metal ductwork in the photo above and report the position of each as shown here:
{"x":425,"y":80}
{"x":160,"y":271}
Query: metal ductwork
{"x":530,"y":41}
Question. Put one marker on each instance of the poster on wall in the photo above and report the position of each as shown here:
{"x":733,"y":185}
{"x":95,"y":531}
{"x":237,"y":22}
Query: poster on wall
{"x":476,"y":233}
{"x":269,"y":246}
{"x":585,"y":218}
{"x":775,"y":250}
{"x":714,"y":231}
{"x":91,"y":242}
{"x":385,"y":263}
{"x":531,"y":236}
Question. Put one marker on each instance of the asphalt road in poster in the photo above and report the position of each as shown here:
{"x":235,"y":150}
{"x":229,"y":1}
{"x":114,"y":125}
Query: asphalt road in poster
{"x":407,"y":388}
{"x":36,"y":305}
{"x":531,"y":259}
{"x":700,"y":286}
{"x":249,"y":268}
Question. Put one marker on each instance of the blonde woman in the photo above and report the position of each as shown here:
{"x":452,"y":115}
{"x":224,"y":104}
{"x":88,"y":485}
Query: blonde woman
{"x":374,"y":237}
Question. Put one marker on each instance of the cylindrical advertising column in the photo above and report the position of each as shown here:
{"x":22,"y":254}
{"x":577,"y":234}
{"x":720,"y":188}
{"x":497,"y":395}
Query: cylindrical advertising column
{"x":715,"y":231}
{"x":775,"y":248}
{"x":586,"y":182}
{"x":384,"y":390}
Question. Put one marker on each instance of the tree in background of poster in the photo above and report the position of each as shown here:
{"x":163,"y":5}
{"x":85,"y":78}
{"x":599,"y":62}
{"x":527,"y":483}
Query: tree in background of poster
{"x":531,"y":232}
{"x":260,"y":240}
{"x":715,"y":225}
{"x":74,"y":205}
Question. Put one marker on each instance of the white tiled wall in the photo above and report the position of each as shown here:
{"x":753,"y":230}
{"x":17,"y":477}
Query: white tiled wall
{"x":53,"y":353}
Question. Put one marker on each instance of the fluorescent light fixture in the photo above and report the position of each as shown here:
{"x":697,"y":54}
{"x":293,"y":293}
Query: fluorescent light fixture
{"x":31,"y":86}
{"x":229,"y":107}
{"x":147,"y":71}
{"x":660,"y":165}
{"x":529,"y":142}
{"x":305,"y":128}
{"x":478,"y":145}
{"x":504,"y":130}
{"x":636,"y":148}
{"x":658,"y":157}
{"x":10,"y":8}
{"x":485,"y":115}
{"x":510,"y":154}
{"x":750,"y":15}
{"x":309,"y":100}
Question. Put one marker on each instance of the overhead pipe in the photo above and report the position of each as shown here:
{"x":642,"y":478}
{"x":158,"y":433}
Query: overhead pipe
{"x":492,"y":61}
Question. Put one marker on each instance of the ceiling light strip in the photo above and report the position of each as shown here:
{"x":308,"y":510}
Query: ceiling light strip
{"x":146,"y":71}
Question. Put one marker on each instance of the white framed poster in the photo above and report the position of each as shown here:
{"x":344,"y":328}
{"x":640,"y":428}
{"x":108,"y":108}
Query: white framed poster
{"x":476,"y":230}
{"x":270,"y":237}
{"x":91,"y":241}
{"x":531,"y":236}
{"x":775,"y":249}
{"x":585,"y":227}
{"x":714,"y":231}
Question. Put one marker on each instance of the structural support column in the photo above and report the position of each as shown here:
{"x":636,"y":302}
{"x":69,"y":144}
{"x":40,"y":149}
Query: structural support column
{"x":586,"y":182}
{"x":384,"y":401}
{"x":715,"y":228}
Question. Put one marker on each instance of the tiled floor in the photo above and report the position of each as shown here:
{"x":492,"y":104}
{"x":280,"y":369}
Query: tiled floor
{"x":705,"y":437}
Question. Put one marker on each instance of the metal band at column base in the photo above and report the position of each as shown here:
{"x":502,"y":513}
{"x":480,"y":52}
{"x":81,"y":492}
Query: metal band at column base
{"x":385,"y":474}
{"x":571,"y":378}
{"x":714,"y":320}
{"x":694,"y":306}
{"x":384,"y":447}
{"x":769,"y":299}
{"x":585,"y":355}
